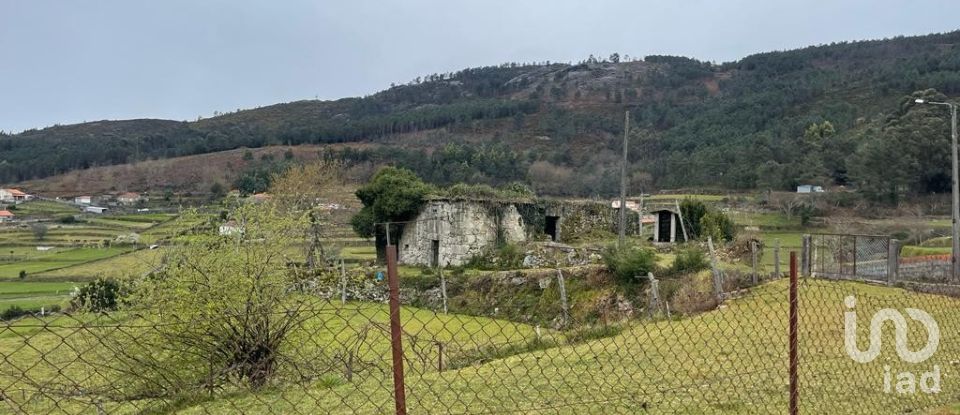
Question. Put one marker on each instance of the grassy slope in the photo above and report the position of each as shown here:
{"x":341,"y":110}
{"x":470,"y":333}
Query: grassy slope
{"x":182,"y":174}
{"x":332,"y":327}
{"x":731,"y":360}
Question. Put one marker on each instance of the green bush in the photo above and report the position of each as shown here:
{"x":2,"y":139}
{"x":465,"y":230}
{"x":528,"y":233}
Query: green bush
{"x":630,"y":264}
{"x":689,"y":260}
{"x":704,"y":221}
{"x":99,"y":295}
{"x":510,"y":256}
{"x":717,"y":225}
{"x":68,"y":219}
{"x":506,"y":257}
{"x":13,"y":312}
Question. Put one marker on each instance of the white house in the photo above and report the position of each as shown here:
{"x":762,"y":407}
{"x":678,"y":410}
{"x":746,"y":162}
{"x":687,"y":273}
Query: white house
{"x":6,"y":216}
{"x":83,"y":200}
{"x":128,"y":198}
{"x":230,"y":228}
{"x":95,"y":209}
{"x":809,"y":188}
{"x":13,"y":196}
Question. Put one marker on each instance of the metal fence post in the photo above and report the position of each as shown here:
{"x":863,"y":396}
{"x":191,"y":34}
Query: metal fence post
{"x":893,"y":261}
{"x":756,"y":272}
{"x":794,"y":304}
{"x":399,"y":393}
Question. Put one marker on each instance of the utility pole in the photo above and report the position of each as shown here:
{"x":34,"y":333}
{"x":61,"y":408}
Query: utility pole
{"x":623,"y":182}
{"x":956,"y":193}
{"x":955,"y":210}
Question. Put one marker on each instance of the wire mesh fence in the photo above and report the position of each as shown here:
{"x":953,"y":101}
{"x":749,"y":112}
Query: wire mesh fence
{"x":690,"y":355}
{"x":847,"y":256}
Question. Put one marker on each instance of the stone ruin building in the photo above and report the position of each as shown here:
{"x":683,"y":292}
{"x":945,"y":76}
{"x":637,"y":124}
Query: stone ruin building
{"x":449,"y":232}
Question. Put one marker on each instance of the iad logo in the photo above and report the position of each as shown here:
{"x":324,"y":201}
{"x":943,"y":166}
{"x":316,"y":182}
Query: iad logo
{"x":906,"y":381}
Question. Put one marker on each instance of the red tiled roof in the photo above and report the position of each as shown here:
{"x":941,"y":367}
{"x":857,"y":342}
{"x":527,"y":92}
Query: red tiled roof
{"x":16,"y":192}
{"x":5,"y":214}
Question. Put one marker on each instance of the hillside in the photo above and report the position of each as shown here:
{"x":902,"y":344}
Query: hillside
{"x":832,"y":114}
{"x":194,"y":174}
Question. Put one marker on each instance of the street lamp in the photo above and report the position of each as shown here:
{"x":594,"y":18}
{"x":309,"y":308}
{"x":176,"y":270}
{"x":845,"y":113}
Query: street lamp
{"x":956,"y":188}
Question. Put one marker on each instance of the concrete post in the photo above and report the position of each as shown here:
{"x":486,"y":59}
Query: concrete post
{"x":776,"y":259}
{"x":805,"y":263}
{"x":717,"y":275}
{"x":893,"y":261}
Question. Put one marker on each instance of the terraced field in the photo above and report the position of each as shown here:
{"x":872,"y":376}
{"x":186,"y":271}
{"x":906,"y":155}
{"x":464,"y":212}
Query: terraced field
{"x":57,"y":259}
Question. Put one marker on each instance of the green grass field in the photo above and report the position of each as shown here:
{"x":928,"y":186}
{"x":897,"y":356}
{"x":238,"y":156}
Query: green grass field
{"x":359,"y":253}
{"x":119,"y":266}
{"x":168,"y":229}
{"x":44,"y":208}
{"x":681,"y":196}
{"x":33,"y":295}
{"x":764,"y":220}
{"x":732,"y":360}
{"x":57,"y":259}
{"x":361,"y":325}
{"x":685,"y":366}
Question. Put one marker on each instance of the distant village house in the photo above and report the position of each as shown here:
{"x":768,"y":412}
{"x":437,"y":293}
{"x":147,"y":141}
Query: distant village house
{"x":259,"y":197}
{"x":230,"y":228}
{"x":95,"y":209}
{"x":809,"y":188}
{"x":6,"y":216}
{"x":13,"y":196}
{"x":129,"y":198}
{"x":83,"y":200}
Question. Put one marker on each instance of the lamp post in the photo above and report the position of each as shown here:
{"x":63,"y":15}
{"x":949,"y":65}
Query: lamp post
{"x":955,"y":239}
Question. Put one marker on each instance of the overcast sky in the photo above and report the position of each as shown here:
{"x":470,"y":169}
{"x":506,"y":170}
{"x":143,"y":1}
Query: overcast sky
{"x":70,"y":61}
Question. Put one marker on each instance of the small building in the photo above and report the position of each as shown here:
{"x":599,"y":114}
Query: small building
{"x":667,"y":227}
{"x":259,"y":197}
{"x":13,"y":196}
{"x":809,"y":188}
{"x":6,"y":216}
{"x":631,"y":205}
{"x":95,"y":209}
{"x":230,"y":228}
{"x":128,"y":198}
{"x":83,"y":200}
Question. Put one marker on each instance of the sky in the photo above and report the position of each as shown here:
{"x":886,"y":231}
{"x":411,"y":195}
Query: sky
{"x":69,"y":61}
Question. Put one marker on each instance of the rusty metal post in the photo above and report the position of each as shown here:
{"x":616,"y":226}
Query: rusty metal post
{"x":399,"y":393}
{"x":794,"y":303}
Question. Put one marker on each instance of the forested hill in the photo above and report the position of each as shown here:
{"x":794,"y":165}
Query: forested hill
{"x":838,"y":114}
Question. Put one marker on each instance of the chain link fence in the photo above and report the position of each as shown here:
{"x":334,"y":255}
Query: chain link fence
{"x":528,"y":352}
{"x":855,"y":257}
